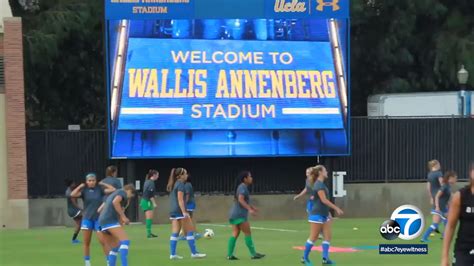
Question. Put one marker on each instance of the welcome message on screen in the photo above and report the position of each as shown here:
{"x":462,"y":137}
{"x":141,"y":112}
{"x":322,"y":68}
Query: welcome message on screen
{"x":229,"y":84}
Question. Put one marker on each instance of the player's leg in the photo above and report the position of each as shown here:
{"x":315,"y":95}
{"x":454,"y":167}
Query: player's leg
{"x":120,"y":234}
{"x":232,"y":242}
{"x":175,"y":228}
{"x":433,"y":227}
{"x":327,"y":233}
{"x":77,"y":228}
{"x":149,"y":222}
{"x":314,"y":230}
{"x":105,"y":247}
{"x":188,"y":227}
{"x":87,"y":233}
{"x":114,"y":243}
{"x":245,"y":227}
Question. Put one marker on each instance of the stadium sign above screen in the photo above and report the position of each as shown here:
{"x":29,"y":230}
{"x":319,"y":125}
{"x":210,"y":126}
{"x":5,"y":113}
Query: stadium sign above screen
{"x":215,"y":78}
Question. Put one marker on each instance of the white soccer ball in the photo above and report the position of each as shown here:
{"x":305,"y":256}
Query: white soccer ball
{"x":208,"y":233}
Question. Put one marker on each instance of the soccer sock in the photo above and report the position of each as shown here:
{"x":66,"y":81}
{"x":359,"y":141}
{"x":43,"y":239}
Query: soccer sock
{"x":124,"y":251}
{"x":113,"y":256}
{"x":191,"y":242}
{"x":231,"y":246}
{"x":173,"y":243}
{"x":430,"y":229}
{"x":250,"y":245}
{"x":87,"y":260}
{"x":74,"y":236}
{"x":148,"y":226}
{"x":326,"y":245}
{"x":107,"y":259}
{"x":307,"y":249}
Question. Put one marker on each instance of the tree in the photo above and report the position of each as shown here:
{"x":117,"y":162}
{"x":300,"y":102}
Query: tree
{"x":64,"y":64}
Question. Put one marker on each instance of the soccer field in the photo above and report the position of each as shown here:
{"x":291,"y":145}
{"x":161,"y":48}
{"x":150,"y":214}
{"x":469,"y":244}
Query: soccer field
{"x":276,"y":239}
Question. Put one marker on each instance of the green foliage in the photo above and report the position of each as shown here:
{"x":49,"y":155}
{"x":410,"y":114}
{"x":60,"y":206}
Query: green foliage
{"x":409,"y":46}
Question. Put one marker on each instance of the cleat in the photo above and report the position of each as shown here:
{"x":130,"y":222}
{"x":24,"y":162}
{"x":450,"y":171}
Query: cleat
{"x":425,"y":240}
{"x":197,"y":236}
{"x":76,"y":241}
{"x":232,"y":258}
{"x":328,"y":262}
{"x":257,"y":256}
{"x":175,"y":257}
{"x":306,"y":262}
{"x":151,"y":236}
{"x":198,"y":256}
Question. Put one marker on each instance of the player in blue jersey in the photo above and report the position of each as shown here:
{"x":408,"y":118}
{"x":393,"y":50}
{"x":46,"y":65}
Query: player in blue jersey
{"x":179,"y":215}
{"x":111,"y":221}
{"x":238,"y":217}
{"x":435,"y":178}
{"x":148,"y":202}
{"x":73,"y":209}
{"x":319,"y":216}
{"x":307,"y":190}
{"x":92,"y":195}
{"x":442,"y":201}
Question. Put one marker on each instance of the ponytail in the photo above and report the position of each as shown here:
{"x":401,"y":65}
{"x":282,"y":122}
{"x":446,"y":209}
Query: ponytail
{"x":432,"y":164}
{"x":174,"y":174}
{"x":151,"y":173}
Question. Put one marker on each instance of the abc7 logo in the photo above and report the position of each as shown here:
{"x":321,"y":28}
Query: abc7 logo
{"x":405,"y":223}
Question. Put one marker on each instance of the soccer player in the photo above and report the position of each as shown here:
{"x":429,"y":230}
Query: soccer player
{"x":111,"y":177}
{"x":179,"y":216}
{"x":73,"y":209}
{"x":435,"y":179}
{"x":318,"y":217}
{"x":111,"y":221}
{"x":239,"y":217}
{"x":190,"y":203}
{"x":442,"y":201}
{"x":461,"y":210}
{"x":307,"y":190}
{"x":148,"y":202}
{"x":92,"y":196}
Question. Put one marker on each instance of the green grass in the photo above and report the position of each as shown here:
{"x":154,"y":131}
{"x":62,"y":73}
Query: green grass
{"x":51,"y":246}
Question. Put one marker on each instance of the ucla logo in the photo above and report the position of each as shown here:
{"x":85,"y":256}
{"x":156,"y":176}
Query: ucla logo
{"x":410,"y":220}
{"x":325,"y":3}
{"x":293,"y":6}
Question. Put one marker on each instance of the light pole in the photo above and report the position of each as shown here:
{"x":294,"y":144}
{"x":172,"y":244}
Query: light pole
{"x":463,"y":76}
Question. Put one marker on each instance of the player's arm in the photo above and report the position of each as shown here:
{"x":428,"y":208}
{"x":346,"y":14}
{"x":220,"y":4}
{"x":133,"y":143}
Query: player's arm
{"x":453,"y":218}
{"x":181,"y":203}
{"x":74,"y":203}
{"x":169,"y":186}
{"x":327,"y":202}
{"x":245,"y":205}
{"x":303,"y":192}
{"x":438,"y":195}
{"x":77,"y":192}
{"x":428,"y":188}
{"x":153,"y":201}
{"x":120,"y":211}
{"x":107,"y":188}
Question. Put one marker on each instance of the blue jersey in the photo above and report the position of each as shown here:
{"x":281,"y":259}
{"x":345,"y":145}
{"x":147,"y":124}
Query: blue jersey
{"x":189,"y":191}
{"x":175,"y":210}
{"x":433,"y":179}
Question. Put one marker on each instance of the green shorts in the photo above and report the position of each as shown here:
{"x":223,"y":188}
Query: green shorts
{"x":146,"y":205}
{"x":237,"y":221}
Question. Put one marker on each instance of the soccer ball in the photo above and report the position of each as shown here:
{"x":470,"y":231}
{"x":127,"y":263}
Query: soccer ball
{"x":208,"y":233}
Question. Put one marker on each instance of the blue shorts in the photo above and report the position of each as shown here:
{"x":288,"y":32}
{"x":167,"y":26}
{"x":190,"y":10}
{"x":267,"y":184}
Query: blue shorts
{"x":175,"y":216}
{"x":191,"y":206}
{"x":443,"y":213}
{"x":92,"y":225}
{"x":106,"y":227}
{"x":318,"y":219}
